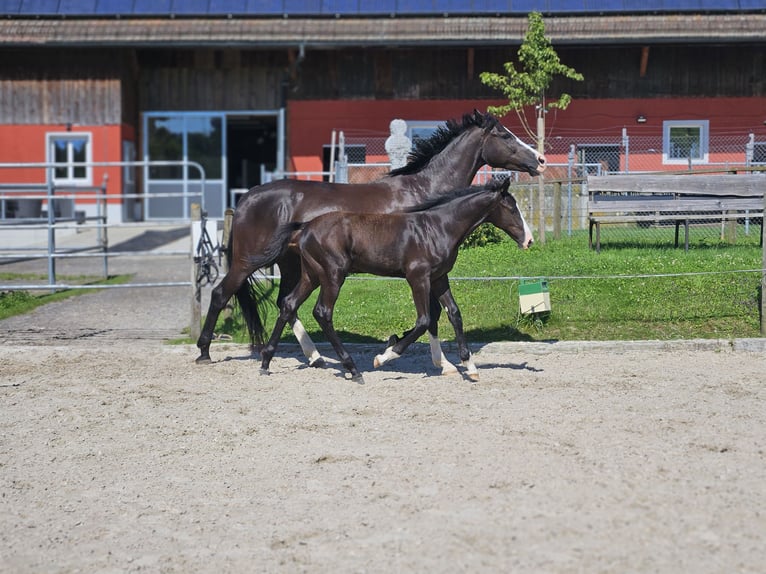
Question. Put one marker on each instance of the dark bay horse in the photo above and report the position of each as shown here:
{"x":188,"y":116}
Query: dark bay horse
{"x":447,"y":160}
{"x":420,"y":244}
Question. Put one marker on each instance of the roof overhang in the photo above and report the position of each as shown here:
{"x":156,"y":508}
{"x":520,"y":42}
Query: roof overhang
{"x":372,"y":32}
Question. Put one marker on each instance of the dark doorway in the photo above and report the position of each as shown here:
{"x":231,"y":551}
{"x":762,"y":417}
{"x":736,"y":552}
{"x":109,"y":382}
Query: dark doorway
{"x":599,"y":159}
{"x":251,"y":141}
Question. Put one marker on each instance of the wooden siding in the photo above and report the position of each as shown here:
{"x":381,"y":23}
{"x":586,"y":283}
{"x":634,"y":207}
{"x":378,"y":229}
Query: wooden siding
{"x":110,"y":86}
{"x":61,"y":86}
{"x":187,"y":89}
{"x":211,"y":79}
{"x":610,"y":72}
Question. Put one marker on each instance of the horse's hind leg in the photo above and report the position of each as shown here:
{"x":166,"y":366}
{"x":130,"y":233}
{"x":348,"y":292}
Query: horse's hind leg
{"x":307,"y":345}
{"x":218,"y":299}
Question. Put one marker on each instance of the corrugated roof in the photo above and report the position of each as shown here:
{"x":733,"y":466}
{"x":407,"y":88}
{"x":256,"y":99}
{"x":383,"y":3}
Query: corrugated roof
{"x":380,"y":31}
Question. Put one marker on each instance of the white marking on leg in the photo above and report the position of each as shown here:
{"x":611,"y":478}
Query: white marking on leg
{"x":307,"y":345}
{"x":438,"y":358}
{"x":471,"y":370}
{"x":388,"y":355}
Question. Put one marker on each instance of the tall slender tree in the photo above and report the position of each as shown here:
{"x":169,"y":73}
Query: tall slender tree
{"x":526,"y":88}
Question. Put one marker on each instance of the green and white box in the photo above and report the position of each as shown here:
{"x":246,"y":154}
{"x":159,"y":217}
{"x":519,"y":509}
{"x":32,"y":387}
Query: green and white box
{"x":534,"y":296}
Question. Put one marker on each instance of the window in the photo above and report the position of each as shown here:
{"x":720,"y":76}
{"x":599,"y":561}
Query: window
{"x":422,"y":130}
{"x":685,"y":141}
{"x":69,"y":151}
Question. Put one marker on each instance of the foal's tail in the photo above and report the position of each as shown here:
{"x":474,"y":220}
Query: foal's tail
{"x":253,"y":294}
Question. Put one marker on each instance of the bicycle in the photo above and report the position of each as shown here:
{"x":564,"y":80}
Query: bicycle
{"x":208,"y":269}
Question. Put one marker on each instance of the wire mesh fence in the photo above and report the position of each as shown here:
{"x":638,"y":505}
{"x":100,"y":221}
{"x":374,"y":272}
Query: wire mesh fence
{"x":713,"y":290}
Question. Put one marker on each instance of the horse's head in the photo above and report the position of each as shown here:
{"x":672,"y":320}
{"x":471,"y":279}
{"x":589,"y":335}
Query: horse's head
{"x":502,"y":149}
{"x":507,"y":216}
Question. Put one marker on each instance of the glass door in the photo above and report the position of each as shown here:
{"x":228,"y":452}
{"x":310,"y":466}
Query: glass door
{"x":186,"y":154}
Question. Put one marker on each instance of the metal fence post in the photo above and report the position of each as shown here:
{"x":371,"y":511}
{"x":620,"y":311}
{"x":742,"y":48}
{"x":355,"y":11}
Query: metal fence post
{"x":570,"y":168}
{"x":51,"y":230}
{"x":103,"y":240}
{"x":626,"y":149}
{"x":763,"y":274}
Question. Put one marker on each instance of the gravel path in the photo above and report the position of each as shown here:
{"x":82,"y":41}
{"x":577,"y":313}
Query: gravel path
{"x":119,"y":454}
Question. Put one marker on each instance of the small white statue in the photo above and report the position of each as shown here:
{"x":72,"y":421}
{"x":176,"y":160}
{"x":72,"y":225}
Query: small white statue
{"x":398,"y":145}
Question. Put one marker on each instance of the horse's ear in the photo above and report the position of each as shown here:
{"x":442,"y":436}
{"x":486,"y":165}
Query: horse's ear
{"x":478,"y":115}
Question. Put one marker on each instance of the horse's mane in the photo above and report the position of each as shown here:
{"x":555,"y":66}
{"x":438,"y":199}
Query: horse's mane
{"x":425,"y":149}
{"x":495,"y":184}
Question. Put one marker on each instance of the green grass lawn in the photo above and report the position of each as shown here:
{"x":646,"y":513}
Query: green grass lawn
{"x":18,"y":302}
{"x":638,"y":287}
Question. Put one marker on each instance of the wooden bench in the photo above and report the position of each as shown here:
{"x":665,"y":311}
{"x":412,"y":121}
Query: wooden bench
{"x":674,"y":199}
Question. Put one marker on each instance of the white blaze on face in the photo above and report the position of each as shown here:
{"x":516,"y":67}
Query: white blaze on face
{"x":527,"y":232}
{"x":538,"y":155}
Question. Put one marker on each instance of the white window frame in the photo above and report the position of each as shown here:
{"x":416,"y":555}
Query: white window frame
{"x":70,"y":179}
{"x":704,"y":130}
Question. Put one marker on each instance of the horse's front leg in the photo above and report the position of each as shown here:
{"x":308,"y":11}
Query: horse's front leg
{"x":420,"y":287}
{"x":438,"y":358}
{"x":287,"y":310}
{"x":290,"y":270}
{"x":441,"y":288}
{"x":323,"y":312}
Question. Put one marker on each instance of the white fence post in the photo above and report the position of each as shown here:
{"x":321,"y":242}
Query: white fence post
{"x":195,"y":326}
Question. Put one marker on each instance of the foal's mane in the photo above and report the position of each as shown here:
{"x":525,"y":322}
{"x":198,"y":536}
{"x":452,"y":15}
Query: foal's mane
{"x":425,"y":149}
{"x":495,"y":185}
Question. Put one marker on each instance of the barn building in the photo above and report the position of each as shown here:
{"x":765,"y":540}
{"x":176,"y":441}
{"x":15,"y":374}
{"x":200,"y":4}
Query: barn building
{"x":246,"y":86}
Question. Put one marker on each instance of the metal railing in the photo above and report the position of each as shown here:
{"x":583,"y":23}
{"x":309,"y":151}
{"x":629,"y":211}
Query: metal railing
{"x":51,"y":194}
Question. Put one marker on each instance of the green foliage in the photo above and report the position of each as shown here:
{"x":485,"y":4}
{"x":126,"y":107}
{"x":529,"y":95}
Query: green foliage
{"x":483,"y":235}
{"x":539,"y":64}
{"x":15,"y":302}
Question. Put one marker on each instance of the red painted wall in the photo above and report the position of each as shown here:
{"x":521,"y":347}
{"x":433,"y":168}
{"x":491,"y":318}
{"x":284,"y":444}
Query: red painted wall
{"x":26,"y":144}
{"x":310,"y":123}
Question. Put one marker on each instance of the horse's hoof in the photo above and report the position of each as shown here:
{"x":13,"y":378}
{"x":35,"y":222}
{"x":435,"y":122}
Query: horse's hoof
{"x":448,"y":369}
{"x":474,"y":377}
{"x":387,"y":356}
{"x":265,"y":371}
{"x":317,"y":363}
{"x":203,"y":360}
{"x":358,"y":379}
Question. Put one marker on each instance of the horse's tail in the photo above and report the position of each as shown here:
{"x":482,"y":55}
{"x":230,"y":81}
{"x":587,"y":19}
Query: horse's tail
{"x":253,"y":295}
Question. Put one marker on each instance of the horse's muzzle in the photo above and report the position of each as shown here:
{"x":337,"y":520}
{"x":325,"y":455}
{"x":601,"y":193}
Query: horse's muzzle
{"x":528,"y":241}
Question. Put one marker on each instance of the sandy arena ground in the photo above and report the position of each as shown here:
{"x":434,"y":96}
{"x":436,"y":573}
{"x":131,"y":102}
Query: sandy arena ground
{"x":119,"y":454}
